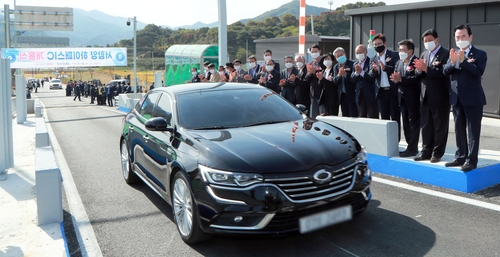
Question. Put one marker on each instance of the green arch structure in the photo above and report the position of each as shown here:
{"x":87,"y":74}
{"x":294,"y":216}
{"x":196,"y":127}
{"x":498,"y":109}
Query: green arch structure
{"x":179,"y":59}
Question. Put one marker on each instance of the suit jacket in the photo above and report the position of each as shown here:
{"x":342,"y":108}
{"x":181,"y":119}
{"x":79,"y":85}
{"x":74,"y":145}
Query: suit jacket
{"x":240,"y":76}
{"x":195,"y":79}
{"x":302,"y":94}
{"x":350,"y":87}
{"x":390,"y":63}
{"x":410,"y":82}
{"x":255,"y":74}
{"x":272,"y":80}
{"x":214,"y":77}
{"x":364,"y":83}
{"x":435,"y":84}
{"x":466,"y":80}
{"x":312,"y":80}
{"x":329,"y":88}
{"x":288,"y":90}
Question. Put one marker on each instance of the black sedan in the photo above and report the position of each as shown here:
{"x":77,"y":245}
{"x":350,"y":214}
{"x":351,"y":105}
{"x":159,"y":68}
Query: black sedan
{"x":239,"y":159}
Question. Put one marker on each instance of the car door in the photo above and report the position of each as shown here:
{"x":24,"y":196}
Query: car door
{"x":163,"y":142}
{"x":143,"y":148}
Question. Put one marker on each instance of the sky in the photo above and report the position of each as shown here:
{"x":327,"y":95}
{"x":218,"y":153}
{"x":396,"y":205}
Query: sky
{"x":176,"y":13}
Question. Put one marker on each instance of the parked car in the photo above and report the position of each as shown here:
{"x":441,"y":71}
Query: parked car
{"x":55,"y":84}
{"x":239,"y":159}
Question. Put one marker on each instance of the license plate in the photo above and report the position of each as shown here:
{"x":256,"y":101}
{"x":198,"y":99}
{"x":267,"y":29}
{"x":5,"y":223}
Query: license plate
{"x":324,"y":219}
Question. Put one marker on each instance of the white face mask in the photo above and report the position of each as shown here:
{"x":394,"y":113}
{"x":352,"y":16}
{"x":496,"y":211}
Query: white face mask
{"x":237,"y":67}
{"x":360,"y":57}
{"x":221,"y":73}
{"x":403,"y":55}
{"x":300,"y":64}
{"x":463,"y":44}
{"x":328,"y":63}
{"x":314,"y":55}
{"x":269,"y":68}
{"x":288,"y":65}
{"x":430,"y":45}
{"x":251,"y":65}
{"x":212,"y":71}
{"x":267,"y":57}
{"x":194,"y":73}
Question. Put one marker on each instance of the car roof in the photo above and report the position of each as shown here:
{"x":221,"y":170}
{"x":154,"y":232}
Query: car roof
{"x":206,"y":86}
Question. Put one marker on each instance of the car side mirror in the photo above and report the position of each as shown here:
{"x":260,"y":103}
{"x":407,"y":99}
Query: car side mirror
{"x":302,"y":108}
{"x":157,"y":124}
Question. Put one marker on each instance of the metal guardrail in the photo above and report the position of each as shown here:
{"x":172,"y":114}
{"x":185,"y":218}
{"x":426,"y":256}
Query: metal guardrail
{"x":14,"y":110}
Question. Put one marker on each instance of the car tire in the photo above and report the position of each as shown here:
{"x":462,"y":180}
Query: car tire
{"x":127,"y":171}
{"x":185,"y":211}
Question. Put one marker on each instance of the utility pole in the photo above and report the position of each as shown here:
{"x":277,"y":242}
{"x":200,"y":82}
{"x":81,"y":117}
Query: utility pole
{"x":246,"y":51}
{"x":330,"y":3}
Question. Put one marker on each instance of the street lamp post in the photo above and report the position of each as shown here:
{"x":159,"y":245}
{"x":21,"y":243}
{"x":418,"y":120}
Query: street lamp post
{"x":135,"y":53}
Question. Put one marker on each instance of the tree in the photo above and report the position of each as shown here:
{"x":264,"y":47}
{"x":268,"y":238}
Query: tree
{"x":289,"y":20}
{"x":241,"y":54}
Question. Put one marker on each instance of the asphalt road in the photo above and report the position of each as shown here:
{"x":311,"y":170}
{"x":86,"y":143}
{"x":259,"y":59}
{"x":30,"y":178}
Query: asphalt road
{"x":134,"y":221}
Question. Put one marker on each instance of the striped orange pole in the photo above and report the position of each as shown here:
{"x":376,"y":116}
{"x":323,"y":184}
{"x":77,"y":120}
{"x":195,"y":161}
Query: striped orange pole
{"x":302,"y":27}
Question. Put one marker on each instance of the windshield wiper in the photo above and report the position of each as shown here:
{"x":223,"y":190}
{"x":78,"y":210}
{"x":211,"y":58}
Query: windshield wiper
{"x":266,"y":122}
{"x":211,"y":127}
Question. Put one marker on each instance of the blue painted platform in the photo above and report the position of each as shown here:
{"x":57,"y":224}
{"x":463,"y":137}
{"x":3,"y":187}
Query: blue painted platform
{"x":487,"y":173}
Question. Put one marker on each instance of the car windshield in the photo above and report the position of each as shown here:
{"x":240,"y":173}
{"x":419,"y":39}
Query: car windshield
{"x":233,"y":108}
{"x":55,"y":81}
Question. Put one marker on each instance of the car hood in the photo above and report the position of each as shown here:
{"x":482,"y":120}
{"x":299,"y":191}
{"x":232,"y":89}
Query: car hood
{"x":274,"y":148}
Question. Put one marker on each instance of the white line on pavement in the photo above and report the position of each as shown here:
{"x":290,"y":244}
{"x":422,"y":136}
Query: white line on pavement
{"x":456,"y":198}
{"x":84,"y":231}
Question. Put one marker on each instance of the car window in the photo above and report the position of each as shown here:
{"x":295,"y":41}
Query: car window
{"x":164,"y":108}
{"x":147,"y":106}
{"x":233,"y":108}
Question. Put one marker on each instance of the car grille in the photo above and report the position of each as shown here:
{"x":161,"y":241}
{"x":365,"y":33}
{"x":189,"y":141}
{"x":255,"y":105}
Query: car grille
{"x":288,"y":221}
{"x":305,"y":189}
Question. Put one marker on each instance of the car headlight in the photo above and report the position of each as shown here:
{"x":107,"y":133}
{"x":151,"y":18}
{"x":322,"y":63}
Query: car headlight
{"x":362,"y":155}
{"x":227,"y":178}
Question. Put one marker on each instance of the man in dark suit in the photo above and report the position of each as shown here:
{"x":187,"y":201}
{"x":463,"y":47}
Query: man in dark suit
{"x":287,"y":81}
{"x":405,"y":76}
{"x":383,"y":64}
{"x":366,"y":99}
{"x":434,"y":98}
{"x":302,"y":87}
{"x":315,"y":89}
{"x":466,"y":67}
{"x":271,"y":77}
{"x":342,"y":78}
{"x":194,"y":75}
{"x":253,"y":70}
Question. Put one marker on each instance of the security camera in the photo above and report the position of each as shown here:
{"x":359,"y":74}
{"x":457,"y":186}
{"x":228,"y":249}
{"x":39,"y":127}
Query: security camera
{"x":128,"y":22}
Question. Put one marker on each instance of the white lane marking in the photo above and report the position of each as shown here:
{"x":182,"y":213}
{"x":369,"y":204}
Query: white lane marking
{"x":489,"y":206}
{"x":83,"y":229}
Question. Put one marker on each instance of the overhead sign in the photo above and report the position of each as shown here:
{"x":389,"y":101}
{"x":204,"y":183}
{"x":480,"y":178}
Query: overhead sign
{"x":65,"y":57}
{"x":43,"y":18}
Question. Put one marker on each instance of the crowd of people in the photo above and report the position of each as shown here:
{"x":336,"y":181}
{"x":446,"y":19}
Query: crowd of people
{"x":100,"y":94}
{"x":392,"y":85}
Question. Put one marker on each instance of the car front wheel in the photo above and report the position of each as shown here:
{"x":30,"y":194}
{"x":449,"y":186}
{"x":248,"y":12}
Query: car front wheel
{"x":185,"y":212}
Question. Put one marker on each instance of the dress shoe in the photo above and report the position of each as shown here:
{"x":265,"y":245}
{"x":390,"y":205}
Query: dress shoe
{"x":407,"y":154}
{"x":421,"y":158}
{"x":453,"y":163}
{"x":435,"y":159}
{"x":467,"y":167}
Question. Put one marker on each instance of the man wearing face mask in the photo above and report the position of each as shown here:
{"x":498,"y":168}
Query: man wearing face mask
{"x":287,"y":81}
{"x":215,"y":77}
{"x":302,"y":87}
{"x":268,"y":55}
{"x":365,"y":85}
{"x":466,"y":66}
{"x":253,"y":70}
{"x":342,"y":78}
{"x":434,"y":98}
{"x":315,"y":88}
{"x":406,"y":77}
{"x":194,"y":75}
{"x":386,"y":91}
{"x":271,"y":77}
{"x":238,"y":74}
